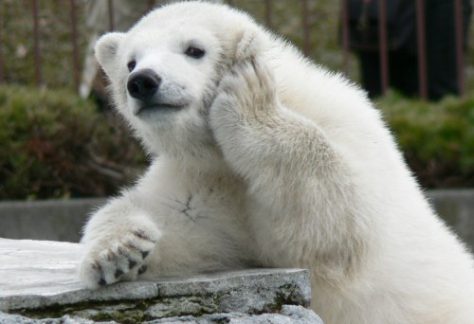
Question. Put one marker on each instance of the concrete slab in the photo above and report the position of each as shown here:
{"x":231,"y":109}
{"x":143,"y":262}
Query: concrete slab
{"x":38,"y":281}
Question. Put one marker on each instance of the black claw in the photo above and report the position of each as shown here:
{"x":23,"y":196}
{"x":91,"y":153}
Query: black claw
{"x":144,"y":254}
{"x":253,"y":63}
{"x":142,"y":269}
{"x":131,"y":263}
{"x":141,"y":234}
{"x":131,"y":246}
{"x":118,"y":273}
{"x":102,"y":282}
{"x":110,"y":256}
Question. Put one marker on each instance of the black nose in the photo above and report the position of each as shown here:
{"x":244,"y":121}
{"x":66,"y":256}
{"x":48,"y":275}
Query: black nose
{"x":143,"y":84}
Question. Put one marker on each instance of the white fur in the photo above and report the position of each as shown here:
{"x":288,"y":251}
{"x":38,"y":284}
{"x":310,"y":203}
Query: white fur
{"x":274,"y":162}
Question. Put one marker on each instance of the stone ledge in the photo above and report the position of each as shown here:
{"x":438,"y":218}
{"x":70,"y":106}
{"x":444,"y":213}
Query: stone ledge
{"x":38,"y":284}
{"x":289,"y":314}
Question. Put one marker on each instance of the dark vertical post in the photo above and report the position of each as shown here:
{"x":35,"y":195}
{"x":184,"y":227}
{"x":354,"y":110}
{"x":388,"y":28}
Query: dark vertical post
{"x":36,"y":49}
{"x":305,"y":19}
{"x":345,"y":37}
{"x":110,"y":7}
{"x":458,"y":18}
{"x":75,"y":51}
{"x":268,"y":13}
{"x":421,"y":43}
{"x":151,"y":4}
{"x":2,"y":64}
{"x":383,"y":45}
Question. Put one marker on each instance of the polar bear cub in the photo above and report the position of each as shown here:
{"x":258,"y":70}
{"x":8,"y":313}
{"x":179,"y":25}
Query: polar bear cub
{"x":262,"y":158}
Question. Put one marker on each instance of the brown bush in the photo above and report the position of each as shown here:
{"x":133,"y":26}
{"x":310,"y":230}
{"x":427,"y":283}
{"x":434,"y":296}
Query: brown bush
{"x":54,"y":144}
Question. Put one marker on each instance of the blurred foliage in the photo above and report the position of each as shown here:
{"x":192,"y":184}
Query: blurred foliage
{"x":286,"y":20}
{"x":55,"y":44}
{"x":56,"y":145}
{"x":437,"y":139}
{"x":16,"y":26}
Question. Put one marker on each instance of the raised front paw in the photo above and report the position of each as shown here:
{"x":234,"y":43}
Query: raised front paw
{"x":246,"y":93}
{"x":121,"y":256}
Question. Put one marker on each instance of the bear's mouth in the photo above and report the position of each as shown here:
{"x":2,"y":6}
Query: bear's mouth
{"x":156,"y":107}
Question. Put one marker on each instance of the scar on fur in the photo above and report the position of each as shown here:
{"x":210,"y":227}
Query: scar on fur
{"x":187,"y":208}
{"x":184,"y":207}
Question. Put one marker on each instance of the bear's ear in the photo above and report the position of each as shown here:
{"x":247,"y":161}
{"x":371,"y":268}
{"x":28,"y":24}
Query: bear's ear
{"x":106,"y":50}
{"x":247,"y":46}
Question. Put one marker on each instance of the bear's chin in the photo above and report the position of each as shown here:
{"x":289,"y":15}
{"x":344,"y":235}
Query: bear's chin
{"x":147,"y":110}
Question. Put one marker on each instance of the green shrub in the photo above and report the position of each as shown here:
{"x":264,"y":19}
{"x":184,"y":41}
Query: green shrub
{"x":437,"y":138}
{"x":54,"y":144}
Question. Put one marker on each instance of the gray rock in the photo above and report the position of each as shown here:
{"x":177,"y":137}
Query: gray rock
{"x":39,"y":282}
{"x":300,"y":314}
{"x":289,"y":314}
{"x":66,"y":319}
{"x":8,"y":319}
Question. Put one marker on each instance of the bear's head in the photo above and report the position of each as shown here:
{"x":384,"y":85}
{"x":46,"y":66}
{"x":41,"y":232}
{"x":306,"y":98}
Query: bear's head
{"x":165,"y":70}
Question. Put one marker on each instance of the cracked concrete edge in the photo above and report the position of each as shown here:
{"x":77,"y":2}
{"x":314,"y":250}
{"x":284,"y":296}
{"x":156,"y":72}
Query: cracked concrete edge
{"x":249,"y":280}
{"x":289,"y":314}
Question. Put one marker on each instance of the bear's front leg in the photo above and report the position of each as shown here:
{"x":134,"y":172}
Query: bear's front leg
{"x":118,"y":240}
{"x":246,"y":98}
{"x":253,"y":128}
{"x":299,"y":186}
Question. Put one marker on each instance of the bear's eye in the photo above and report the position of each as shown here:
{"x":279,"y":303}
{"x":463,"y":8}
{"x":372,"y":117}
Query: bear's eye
{"x":194,"y":52}
{"x":131,"y":65}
